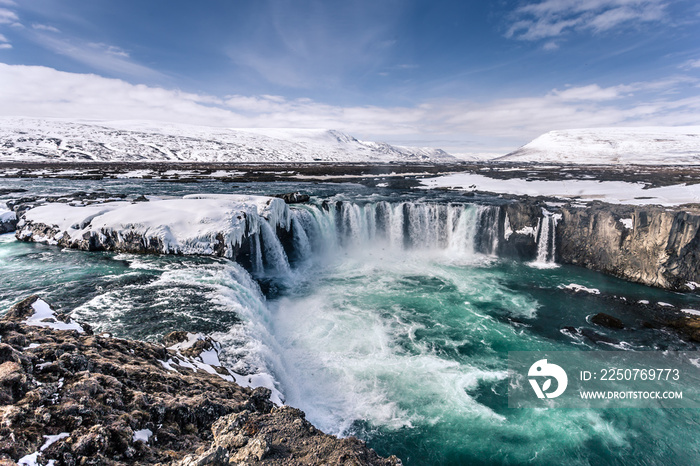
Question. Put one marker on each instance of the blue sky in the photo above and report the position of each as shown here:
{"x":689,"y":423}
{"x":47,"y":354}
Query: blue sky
{"x":467,"y":76}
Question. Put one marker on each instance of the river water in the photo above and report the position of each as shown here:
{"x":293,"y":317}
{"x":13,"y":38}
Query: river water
{"x":391,"y":322}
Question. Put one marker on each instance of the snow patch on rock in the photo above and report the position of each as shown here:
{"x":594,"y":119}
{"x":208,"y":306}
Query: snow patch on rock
{"x":44,"y":316}
{"x":627,"y":223}
{"x":207,"y":224}
{"x":142,"y":435}
{"x":576,"y":288}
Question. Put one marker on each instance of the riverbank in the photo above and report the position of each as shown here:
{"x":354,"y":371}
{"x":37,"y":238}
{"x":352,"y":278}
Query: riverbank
{"x":72,"y":397}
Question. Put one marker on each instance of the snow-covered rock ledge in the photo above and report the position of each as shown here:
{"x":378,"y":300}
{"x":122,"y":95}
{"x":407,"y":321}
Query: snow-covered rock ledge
{"x":206,"y":224}
{"x":8,"y":219}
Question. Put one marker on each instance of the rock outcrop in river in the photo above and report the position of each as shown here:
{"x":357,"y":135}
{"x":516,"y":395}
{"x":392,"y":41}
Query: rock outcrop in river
{"x":69,"y":397}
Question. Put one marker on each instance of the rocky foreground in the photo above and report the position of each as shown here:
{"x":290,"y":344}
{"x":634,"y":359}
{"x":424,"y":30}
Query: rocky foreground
{"x":69,"y":397}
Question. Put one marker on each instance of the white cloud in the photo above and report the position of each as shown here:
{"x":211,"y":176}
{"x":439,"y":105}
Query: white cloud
{"x":691,"y":64}
{"x":455,"y":125}
{"x":3,"y":38}
{"x":41,"y":91}
{"x":552,"y":18}
{"x":5,"y":46}
{"x":45,"y":27}
{"x":103,"y":57}
{"x":591,"y":92}
{"x":8,"y":16}
{"x":109,"y":49}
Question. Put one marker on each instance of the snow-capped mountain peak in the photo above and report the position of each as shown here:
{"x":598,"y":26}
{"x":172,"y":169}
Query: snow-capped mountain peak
{"x":614,"y":146}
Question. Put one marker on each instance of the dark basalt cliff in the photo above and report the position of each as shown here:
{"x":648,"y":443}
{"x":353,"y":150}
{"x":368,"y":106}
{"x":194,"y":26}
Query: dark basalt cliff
{"x":657,"y":246}
{"x":652,"y":245}
{"x":113,"y":401}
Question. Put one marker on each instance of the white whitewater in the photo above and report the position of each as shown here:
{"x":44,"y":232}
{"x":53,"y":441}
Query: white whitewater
{"x":400,"y":226}
{"x":546,"y":242}
{"x":275,"y":258}
{"x":373,"y":234}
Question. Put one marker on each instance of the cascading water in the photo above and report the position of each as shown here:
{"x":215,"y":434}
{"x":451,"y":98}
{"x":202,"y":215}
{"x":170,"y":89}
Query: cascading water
{"x":274,"y":257}
{"x":302,"y":245}
{"x":546,"y":240}
{"x":543,"y":239}
{"x":399,"y":226}
{"x":488,"y":228}
{"x":257,"y":254}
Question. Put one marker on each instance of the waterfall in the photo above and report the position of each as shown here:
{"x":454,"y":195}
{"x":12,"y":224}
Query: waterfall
{"x":302,"y":246}
{"x":546,"y":242}
{"x":543,"y":239}
{"x":399,"y":226}
{"x":274,"y":257}
{"x":256,"y":252}
{"x":488,"y":228}
{"x":462,"y":229}
{"x":316,"y":230}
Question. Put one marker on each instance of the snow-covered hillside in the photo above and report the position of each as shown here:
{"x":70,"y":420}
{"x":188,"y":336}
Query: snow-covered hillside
{"x":614,"y":146}
{"x":28,"y":139}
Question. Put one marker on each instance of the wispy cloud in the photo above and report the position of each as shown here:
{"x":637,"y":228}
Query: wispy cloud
{"x":102,"y":57}
{"x":309,"y":44}
{"x":45,"y":27}
{"x":552,"y":18}
{"x":691,"y":64}
{"x":109,"y":49}
{"x":496,"y":125}
{"x":106,"y":58}
{"x":8,"y":16}
{"x":4,"y":43}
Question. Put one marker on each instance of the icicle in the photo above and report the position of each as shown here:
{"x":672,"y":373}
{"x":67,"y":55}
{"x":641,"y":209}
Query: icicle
{"x":553,"y":251}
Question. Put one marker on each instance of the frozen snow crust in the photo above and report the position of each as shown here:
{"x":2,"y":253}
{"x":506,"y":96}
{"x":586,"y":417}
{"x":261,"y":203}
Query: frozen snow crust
{"x":209,"y":224}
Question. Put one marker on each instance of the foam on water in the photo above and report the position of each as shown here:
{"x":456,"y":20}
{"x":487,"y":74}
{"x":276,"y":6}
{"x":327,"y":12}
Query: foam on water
{"x":219,"y":297}
{"x":367,"y":351}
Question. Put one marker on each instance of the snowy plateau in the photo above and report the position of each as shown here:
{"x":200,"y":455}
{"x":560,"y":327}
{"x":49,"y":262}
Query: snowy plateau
{"x":55,"y":140}
{"x":613,"y":146}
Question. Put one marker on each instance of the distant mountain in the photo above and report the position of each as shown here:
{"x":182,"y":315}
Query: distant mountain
{"x":614,"y":146}
{"x":55,"y":140}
